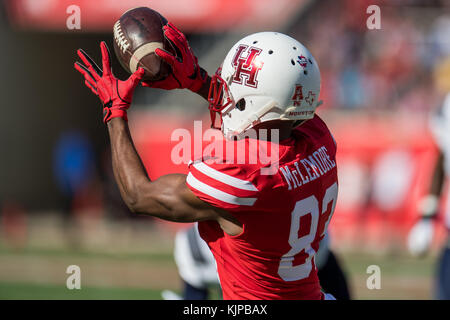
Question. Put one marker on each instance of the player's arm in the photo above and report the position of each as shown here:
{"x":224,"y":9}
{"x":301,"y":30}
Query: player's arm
{"x":429,"y":204}
{"x":421,"y":235}
{"x":167,"y":198}
{"x":204,"y":89}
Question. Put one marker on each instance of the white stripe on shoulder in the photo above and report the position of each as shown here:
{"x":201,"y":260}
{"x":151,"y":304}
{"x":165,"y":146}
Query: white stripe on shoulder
{"x":224,"y":178}
{"x":217,"y":194}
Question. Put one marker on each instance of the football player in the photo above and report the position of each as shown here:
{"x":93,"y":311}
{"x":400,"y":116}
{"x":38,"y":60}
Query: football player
{"x":198,"y":271}
{"x":196,"y":266}
{"x":262,"y":221}
{"x":421,"y":235}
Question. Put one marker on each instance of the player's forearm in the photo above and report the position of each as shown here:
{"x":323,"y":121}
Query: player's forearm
{"x":128,"y":169}
{"x":429,"y":204}
{"x":438,"y":177}
{"x":167,"y":198}
{"x":204,"y":90}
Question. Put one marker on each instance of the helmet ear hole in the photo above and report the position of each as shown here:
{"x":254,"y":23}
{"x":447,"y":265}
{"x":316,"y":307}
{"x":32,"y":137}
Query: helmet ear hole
{"x":240,"y":105}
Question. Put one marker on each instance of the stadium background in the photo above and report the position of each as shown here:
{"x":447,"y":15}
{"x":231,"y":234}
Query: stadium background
{"x":59,"y":205}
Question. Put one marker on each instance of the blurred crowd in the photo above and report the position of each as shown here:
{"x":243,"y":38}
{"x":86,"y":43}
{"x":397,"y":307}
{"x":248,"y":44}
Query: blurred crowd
{"x":393,"y":68}
{"x":400,"y":67}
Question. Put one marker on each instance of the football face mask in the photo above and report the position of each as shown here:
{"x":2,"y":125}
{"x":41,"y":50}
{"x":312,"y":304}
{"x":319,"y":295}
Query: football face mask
{"x":219,"y":98}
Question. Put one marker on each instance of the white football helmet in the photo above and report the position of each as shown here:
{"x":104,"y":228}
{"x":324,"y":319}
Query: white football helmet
{"x":265,"y":76}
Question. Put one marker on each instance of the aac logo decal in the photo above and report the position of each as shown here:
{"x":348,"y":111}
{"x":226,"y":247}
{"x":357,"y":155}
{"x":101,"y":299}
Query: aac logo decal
{"x":297,"y":97}
{"x":246,"y":68}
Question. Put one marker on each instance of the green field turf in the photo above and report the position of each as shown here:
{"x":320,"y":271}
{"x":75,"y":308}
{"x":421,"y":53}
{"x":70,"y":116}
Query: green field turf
{"x":402,"y":276}
{"x":28,"y":291}
{"x":40,"y":274}
{"x":136,"y":262}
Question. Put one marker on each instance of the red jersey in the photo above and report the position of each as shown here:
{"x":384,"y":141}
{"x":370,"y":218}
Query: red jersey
{"x":284,"y":216}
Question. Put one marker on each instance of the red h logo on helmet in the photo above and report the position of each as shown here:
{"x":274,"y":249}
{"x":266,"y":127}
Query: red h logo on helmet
{"x":246,"y":70}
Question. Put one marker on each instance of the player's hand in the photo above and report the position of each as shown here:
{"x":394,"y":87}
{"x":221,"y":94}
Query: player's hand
{"x":186,"y":72}
{"x":420,"y":237}
{"x":115,"y":95}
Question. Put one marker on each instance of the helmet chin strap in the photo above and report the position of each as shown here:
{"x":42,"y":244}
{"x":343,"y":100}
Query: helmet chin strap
{"x":286,"y":116}
{"x":255,"y":118}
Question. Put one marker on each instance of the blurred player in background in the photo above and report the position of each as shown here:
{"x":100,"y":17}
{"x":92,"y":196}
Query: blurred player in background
{"x":75,"y":172}
{"x":263,"y":222}
{"x":196,"y":266}
{"x":331,"y":276}
{"x":421,"y":235}
{"x":198,"y":271}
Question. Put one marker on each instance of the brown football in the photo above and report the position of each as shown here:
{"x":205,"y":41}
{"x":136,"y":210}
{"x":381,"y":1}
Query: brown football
{"x":137,"y":34}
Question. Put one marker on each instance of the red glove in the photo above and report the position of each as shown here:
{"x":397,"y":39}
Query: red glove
{"x":186,"y":73}
{"x":115,"y":95}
